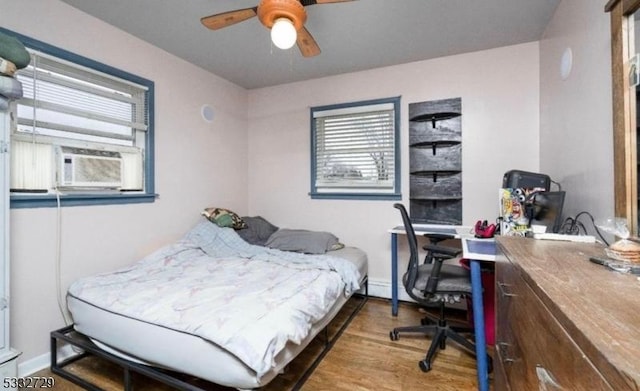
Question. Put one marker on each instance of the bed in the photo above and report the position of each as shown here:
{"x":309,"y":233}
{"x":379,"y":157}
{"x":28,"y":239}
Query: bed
{"x":216,"y":307}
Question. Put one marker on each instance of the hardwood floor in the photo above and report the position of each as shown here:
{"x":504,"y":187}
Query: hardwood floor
{"x":364,"y":358}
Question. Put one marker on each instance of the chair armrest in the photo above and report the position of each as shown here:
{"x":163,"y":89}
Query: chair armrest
{"x":434,"y":277}
{"x":436,"y":250}
{"x":435,"y":237}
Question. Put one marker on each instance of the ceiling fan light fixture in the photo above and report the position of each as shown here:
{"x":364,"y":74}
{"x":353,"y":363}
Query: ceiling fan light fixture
{"x":283,"y":33}
{"x":284,"y":18}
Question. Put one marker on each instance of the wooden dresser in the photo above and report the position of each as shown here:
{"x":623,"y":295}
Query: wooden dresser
{"x":564,"y":322}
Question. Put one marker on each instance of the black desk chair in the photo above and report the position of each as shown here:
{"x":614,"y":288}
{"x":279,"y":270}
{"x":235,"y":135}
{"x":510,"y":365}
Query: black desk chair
{"x":432,"y":285}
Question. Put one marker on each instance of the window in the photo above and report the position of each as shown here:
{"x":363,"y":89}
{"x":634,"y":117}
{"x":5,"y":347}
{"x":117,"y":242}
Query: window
{"x":81,"y":134}
{"x":355,"y":151}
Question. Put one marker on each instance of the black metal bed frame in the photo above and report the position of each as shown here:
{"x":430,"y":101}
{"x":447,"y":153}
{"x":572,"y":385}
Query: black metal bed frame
{"x":75,"y":339}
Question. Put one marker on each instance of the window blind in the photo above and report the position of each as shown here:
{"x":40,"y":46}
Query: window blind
{"x":63,"y":99}
{"x":355,"y":149}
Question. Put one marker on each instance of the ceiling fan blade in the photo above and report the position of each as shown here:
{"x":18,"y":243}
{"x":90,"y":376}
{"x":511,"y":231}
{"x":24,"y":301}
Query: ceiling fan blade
{"x":330,"y":1}
{"x":218,"y":21}
{"x":312,"y":2}
{"x":307,"y":45}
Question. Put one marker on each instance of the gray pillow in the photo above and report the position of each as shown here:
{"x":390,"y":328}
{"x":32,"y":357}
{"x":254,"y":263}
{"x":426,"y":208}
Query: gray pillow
{"x":303,"y":241}
{"x":10,"y":87}
{"x":258,"y":230}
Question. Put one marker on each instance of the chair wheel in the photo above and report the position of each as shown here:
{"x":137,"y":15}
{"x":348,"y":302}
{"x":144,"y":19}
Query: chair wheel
{"x":393,"y":335}
{"x":425,"y":365}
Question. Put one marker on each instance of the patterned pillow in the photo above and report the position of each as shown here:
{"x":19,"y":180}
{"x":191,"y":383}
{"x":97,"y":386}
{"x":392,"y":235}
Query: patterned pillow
{"x":224,"y":218}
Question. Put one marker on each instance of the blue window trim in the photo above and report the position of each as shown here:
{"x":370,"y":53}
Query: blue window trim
{"x":76,"y":199}
{"x":396,"y":195}
{"x":50,"y":200}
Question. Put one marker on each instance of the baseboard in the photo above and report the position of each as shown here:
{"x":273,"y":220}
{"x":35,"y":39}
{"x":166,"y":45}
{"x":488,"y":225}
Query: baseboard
{"x":382,"y":288}
{"x":36,"y":364}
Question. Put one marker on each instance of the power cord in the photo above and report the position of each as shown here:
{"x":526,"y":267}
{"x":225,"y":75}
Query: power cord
{"x":573,"y":226}
{"x":61,"y":306}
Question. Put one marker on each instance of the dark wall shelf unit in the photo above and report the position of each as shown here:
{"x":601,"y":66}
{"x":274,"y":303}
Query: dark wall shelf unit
{"x":435,"y":168}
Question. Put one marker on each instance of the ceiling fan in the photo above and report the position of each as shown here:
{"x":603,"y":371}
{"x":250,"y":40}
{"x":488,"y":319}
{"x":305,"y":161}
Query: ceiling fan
{"x":285,"y":19}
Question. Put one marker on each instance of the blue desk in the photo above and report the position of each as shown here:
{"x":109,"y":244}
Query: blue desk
{"x":478,"y":324}
{"x":476,"y":250}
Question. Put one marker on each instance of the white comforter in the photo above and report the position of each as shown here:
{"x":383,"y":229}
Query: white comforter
{"x":248,"y":299}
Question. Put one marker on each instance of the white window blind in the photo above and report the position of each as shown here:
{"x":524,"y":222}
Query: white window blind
{"x":67,"y":100}
{"x":355,"y":149}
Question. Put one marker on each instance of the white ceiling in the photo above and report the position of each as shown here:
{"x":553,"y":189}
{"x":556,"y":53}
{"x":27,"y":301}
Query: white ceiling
{"x":353,"y":36}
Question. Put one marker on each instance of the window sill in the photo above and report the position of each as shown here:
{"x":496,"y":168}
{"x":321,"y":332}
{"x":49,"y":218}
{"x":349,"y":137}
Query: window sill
{"x":358,"y":196}
{"x":19,"y":201}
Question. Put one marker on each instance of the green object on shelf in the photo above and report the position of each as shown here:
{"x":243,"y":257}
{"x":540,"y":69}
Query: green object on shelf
{"x":13,"y":50}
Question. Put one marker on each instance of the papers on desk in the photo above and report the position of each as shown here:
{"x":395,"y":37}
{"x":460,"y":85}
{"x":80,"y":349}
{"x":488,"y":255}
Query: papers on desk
{"x":436,"y":230}
{"x":423,"y":229}
{"x":456,"y":231}
{"x":479,"y":249}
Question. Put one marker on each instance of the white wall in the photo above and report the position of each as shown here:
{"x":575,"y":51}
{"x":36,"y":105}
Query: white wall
{"x":576,"y":127}
{"x":198,"y":164}
{"x":500,"y":106}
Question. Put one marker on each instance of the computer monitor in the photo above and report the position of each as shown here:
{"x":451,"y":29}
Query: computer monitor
{"x":547,"y":209}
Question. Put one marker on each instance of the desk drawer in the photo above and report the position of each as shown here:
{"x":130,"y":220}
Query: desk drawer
{"x":533,"y":348}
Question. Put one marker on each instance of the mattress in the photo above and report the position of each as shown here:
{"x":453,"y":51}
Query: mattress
{"x":160,"y":346}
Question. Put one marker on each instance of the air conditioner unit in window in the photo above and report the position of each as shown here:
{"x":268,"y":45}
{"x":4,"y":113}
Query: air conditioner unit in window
{"x":89,"y":168}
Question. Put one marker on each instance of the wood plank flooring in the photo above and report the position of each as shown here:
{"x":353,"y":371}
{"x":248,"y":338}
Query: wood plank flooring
{"x":364,"y":358}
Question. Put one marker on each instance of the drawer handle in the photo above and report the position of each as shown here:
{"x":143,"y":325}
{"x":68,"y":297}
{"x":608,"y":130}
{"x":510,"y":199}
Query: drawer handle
{"x":503,"y":348}
{"x":501,"y":286}
{"x":545,"y":379}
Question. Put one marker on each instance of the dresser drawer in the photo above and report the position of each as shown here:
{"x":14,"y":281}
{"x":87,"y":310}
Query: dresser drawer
{"x":533,"y":349}
{"x":505,"y":339}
